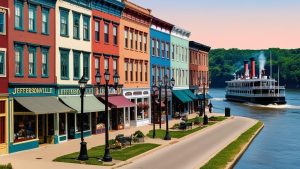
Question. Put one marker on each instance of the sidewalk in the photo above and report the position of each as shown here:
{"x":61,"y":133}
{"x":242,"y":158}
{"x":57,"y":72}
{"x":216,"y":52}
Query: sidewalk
{"x":42,"y":157}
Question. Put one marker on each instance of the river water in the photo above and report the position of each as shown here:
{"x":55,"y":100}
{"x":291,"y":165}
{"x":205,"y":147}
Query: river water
{"x":278,"y":144}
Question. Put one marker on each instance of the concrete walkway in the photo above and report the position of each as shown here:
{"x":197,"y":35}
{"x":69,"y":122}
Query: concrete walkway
{"x":197,"y":149}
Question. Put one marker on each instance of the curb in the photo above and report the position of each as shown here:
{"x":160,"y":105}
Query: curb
{"x":245,"y":147}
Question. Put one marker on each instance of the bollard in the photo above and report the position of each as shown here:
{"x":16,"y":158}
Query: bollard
{"x":227,"y":112}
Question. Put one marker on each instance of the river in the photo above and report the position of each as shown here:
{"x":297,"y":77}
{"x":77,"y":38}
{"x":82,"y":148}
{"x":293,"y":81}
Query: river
{"x":278,"y":144}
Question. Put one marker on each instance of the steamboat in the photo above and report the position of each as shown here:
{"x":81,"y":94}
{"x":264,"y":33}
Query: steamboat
{"x":248,"y":87}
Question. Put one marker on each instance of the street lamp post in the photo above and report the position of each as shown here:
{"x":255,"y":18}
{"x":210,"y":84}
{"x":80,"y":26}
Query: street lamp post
{"x":159,"y":100}
{"x":167,"y":136}
{"x":205,"y":118}
{"x":154,"y":89}
{"x":107,"y":157}
{"x":83,"y":147}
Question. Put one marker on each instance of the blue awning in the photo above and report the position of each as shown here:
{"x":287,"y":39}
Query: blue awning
{"x":191,"y":95}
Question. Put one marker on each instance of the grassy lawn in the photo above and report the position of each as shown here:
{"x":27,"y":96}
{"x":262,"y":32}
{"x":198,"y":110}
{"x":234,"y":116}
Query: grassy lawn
{"x":228,"y":153}
{"x":97,"y":152}
{"x":8,"y":166}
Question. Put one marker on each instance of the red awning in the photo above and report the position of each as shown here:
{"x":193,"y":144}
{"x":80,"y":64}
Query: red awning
{"x":162,"y":103}
{"x":118,"y":102}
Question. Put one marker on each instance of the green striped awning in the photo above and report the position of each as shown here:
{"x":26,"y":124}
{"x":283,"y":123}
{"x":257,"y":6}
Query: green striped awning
{"x":182,"y":96}
{"x":191,"y":95}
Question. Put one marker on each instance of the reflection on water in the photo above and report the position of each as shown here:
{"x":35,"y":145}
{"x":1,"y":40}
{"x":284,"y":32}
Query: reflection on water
{"x":278,"y":144}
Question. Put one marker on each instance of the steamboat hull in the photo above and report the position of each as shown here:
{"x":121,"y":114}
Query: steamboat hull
{"x":257,"y":100}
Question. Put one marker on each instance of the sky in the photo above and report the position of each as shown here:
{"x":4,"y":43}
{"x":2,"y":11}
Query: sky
{"x":244,"y":24}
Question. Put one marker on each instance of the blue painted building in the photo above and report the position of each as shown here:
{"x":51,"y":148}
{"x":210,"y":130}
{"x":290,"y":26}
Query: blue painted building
{"x":160,"y":52}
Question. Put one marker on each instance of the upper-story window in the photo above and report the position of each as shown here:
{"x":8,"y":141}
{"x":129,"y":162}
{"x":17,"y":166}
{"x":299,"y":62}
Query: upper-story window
{"x":86,"y":28}
{"x":126,"y":37}
{"x":106,"y":32}
{"x":131,"y":39}
{"x":153,"y":47}
{"x":86,"y":65}
{"x":141,"y":71}
{"x":157,"y":48}
{"x":136,"y":71}
{"x":64,"y":22}
{"x":136,"y":39}
{"x":115,"y":34}
{"x":145,"y":42}
{"x":2,"y":22}
{"x":115,"y":66}
{"x":18,"y":60}
{"x":173,"y":51}
{"x":140,"y":41}
{"x":97,"y":65}
{"x":106,"y":64}
{"x":45,"y":55}
{"x":168,"y":50}
{"x":76,"y":25}
{"x":131,"y":71}
{"x":32,"y":18}
{"x":153,"y":74}
{"x":126,"y":71}
{"x":146,"y":71}
{"x":64,"y":64}
{"x":76,"y":65}
{"x":163,"y":49}
{"x":97,"y":31}
{"x":2,"y":63}
{"x":19,"y":8}
{"x":32,"y":61}
{"x":45,"y":21}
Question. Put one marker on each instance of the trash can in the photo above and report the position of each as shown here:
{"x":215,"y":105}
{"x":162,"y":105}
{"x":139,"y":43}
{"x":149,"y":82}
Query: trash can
{"x":227,"y":112}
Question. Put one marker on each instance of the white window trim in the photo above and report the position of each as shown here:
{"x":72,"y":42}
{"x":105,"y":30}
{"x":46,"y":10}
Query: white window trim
{"x":4,"y":50}
{"x":4,"y":29}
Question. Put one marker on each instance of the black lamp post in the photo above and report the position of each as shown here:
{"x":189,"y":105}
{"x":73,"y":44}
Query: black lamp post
{"x":83,"y":148}
{"x":154,"y":89}
{"x":159,"y":100}
{"x":205,"y":118}
{"x":106,"y":157}
{"x":166,"y":81}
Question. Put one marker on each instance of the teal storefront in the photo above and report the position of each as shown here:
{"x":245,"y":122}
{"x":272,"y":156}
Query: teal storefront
{"x":34,"y":116}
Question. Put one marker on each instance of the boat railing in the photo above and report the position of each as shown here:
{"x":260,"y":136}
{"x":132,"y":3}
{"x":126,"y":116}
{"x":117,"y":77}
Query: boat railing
{"x":257,"y":95}
{"x":257,"y":87}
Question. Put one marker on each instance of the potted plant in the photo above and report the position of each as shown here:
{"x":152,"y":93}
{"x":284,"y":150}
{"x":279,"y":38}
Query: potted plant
{"x":138,"y":136}
{"x":197,"y":120}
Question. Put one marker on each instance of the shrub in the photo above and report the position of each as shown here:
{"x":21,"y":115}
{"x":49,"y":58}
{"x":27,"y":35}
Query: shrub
{"x":197,"y":120}
{"x":8,"y":166}
{"x":176,"y":126}
{"x":139,"y":134}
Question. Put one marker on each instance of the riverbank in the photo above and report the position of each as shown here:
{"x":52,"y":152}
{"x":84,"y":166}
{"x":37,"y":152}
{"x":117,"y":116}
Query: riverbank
{"x":229,"y":156}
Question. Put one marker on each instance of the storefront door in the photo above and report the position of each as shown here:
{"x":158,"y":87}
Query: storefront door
{"x":71,"y":125}
{"x":46,"y":128}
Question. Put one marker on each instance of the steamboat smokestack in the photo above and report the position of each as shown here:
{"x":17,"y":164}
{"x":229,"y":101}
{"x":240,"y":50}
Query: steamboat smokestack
{"x":246,"y":69}
{"x":252,"y":73}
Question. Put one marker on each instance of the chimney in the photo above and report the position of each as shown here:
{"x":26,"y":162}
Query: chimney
{"x":246,"y":69}
{"x":252,"y":73}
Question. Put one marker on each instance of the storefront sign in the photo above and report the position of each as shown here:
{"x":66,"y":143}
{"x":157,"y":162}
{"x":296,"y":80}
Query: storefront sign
{"x":32,"y":91}
{"x":74,"y":91}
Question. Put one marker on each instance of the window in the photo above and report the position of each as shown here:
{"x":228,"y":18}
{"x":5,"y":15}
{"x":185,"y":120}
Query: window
{"x":45,"y":21}
{"x":163,"y":49}
{"x":146,"y":72}
{"x":157,"y":48}
{"x":76,"y":65}
{"x":97,"y":31}
{"x":136,"y":40}
{"x":136,"y":71}
{"x":126,"y":38}
{"x":153,"y":74}
{"x":163,"y":73}
{"x":153,"y":47}
{"x":31,"y":62}
{"x":141,"y":71}
{"x":168,"y":73}
{"x":2,"y":23}
{"x":64,"y":22}
{"x":64,"y":64}
{"x":76,"y":25}
{"x":45,"y":62}
{"x":106,"y":64}
{"x":19,"y":15}
{"x":115,"y":33}
{"x":18,"y":60}
{"x":97,"y":65}
{"x":140,"y":41}
{"x":168,"y":50}
{"x":86,"y":118}
{"x":145,"y":42}
{"x":173,"y":51}
{"x":86,"y":65}
{"x":86,"y":28}
{"x":32,"y":18}
{"x":115,"y":66}
{"x":126,"y":71}
{"x":24,"y":127}
{"x":2,"y":64}
{"x":131,"y":71}
{"x":131,"y":39}
{"x":106,"y":33}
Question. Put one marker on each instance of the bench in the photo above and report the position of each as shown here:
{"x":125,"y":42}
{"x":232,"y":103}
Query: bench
{"x":189,"y":125}
{"x":185,"y":125}
{"x":125,"y":141}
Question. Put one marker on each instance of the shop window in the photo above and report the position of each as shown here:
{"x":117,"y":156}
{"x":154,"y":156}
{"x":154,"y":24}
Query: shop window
{"x":2,"y":64}
{"x":45,"y":54}
{"x":76,"y":65}
{"x":106,"y":32}
{"x":62,"y":124}
{"x":18,"y":60}
{"x":64,"y":64}
{"x":140,"y":110}
{"x":64,"y":22}
{"x":2,"y":22}
{"x":86,"y":28}
{"x":76,"y":25}
{"x":45,"y":21}
{"x":32,"y":62}
{"x":115,"y":34}
{"x":2,"y":130}
{"x":2,"y":107}
{"x":19,"y":8}
{"x":97,"y":31}
{"x":86,"y":122}
{"x":32,"y":18}
{"x":86,"y":65}
{"x":146,"y":108}
{"x":24,"y":128}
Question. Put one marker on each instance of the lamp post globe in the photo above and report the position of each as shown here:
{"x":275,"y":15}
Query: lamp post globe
{"x":116,"y":79}
{"x":98,"y":78}
{"x":83,"y":156}
{"x":107,"y":75}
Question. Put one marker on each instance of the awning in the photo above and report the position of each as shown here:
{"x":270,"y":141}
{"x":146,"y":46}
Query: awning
{"x":91,"y":103}
{"x":42,"y":105}
{"x":191,"y":95}
{"x":182,"y":96}
{"x":161,"y":103}
{"x":118,"y":102}
{"x":207,"y":96}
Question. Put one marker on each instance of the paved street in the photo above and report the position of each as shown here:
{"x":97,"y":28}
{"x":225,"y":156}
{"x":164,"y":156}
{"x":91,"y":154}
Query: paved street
{"x":196,"y":150}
